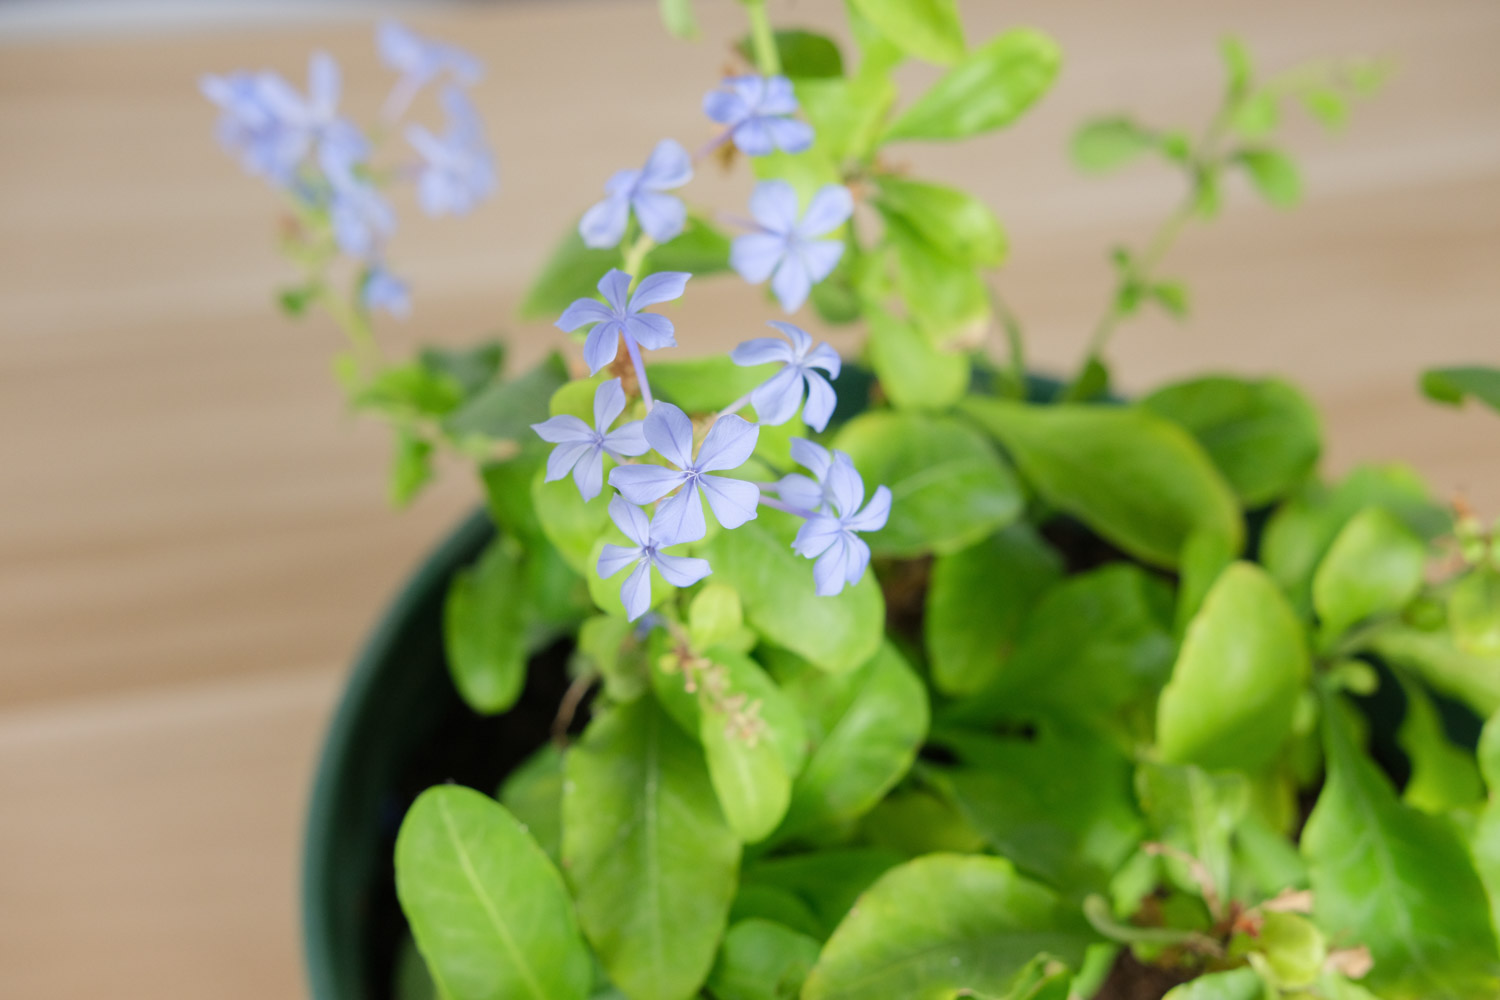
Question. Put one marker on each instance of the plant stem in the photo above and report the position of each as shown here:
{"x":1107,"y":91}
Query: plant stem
{"x":734,"y":407}
{"x":785,"y":508}
{"x":356,"y":327}
{"x":635,"y":256}
{"x":763,"y":39}
{"x":640,"y":371}
{"x":1014,"y":339}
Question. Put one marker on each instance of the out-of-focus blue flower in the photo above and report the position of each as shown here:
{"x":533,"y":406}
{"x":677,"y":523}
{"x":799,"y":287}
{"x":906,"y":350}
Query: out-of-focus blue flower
{"x":582,"y":448}
{"x":777,"y":398}
{"x":458,"y":171}
{"x":830,"y":536}
{"x":382,"y":290}
{"x":360,"y":216}
{"x":622,"y":317}
{"x":727,"y":445}
{"x":419,"y":60}
{"x":810,"y":495}
{"x":661,"y":216}
{"x":787,"y":249}
{"x":756,"y":111}
{"x":635,"y":593}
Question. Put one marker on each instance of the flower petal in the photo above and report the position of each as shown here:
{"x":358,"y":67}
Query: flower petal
{"x":614,"y":286}
{"x":641,"y":484}
{"x":663,"y":286}
{"x":755,"y":255}
{"x":856,"y":558}
{"x":602,"y":345}
{"x":733,"y":501}
{"x":816,"y":534}
{"x":613,"y":558}
{"x":777,"y":398}
{"x":627,"y":439}
{"x":832,"y":568}
{"x":798,"y":336}
{"x":761,"y":351}
{"x":603,"y":225}
{"x":819,"y":257}
{"x":788,"y":134}
{"x":580,"y":312}
{"x":563,"y":428}
{"x":679,"y":518}
{"x":829,"y":209}
{"x":681,"y":571}
{"x":724,"y":105}
{"x":826,"y":358}
{"x":791,"y":283}
{"x":846,"y":490}
{"x":669,"y":166}
{"x":796,"y":490}
{"x":631,"y":520}
{"x":671,"y":432}
{"x":820,"y":401}
{"x":622,"y":182}
{"x":588,"y":474}
{"x":662,"y":216}
{"x":651,"y":331}
{"x":811,"y":456}
{"x":875,"y":514}
{"x":323,"y":85}
{"x":774,"y":206}
{"x":727,"y":445}
{"x":777,"y":97}
{"x":564,"y":457}
{"x":635,"y":593}
{"x":609,"y":403}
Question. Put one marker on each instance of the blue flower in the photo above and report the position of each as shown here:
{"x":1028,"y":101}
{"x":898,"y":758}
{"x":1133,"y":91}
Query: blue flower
{"x":582,"y":448}
{"x":661,"y":216}
{"x":361,"y":218}
{"x":458,"y":171}
{"x":624,"y":318}
{"x":777,"y":398}
{"x":757,"y":112}
{"x":419,"y":60}
{"x":829,"y":535}
{"x":810,"y":495}
{"x":786,"y":249}
{"x":383,"y":290}
{"x":727,"y":445}
{"x":635,"y":593}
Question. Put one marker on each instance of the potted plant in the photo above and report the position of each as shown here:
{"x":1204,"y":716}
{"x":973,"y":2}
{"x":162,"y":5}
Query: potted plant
{"x":903,"y":675}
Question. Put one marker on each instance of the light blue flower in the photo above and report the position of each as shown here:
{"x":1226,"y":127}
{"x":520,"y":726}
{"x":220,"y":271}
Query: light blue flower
{"x":661,"y":216}
{"x":787,"y":249}
{"x":829,"y":535}
{"x":810,"y":495}
{"x":756,"y":111}
{"x":777,"y":398}
{"x":419,"y":60}
{"x":383,"y":290}
{"x":581,"y":448}
{"x":622,"y":317}
{"x":360,"y":216}
{"x":727,"y":445}
{"x":458,"y":171}
{"x":635,"y":593}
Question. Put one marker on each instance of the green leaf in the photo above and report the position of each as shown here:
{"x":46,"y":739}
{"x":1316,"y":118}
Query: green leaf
{"x":572,"y":272}
{"x":410,"y":979}
{"x":1454,"y":385}
{"x":1274,"y":175}
{"x":827,"y":883}
{"x":704,"y":385}
{"x":1237,"y":984}
{"x":607,"y":645}
{"x":944,"y":925}
{"x":1433,"y":656}
{"x":1234,"y":688}
{"x":1263,"y":434}
{"x":471,"y":368}
{"x":410,"y":391}
{"x":1256,"y":116}
{"x":1328,"y":107}
{"x":804,"y":55}
{"x":1139,"y":481}
{"x":1485,"y":839}
{"x":1238,"y":71}
{"x":990,"y":88}
{"x":774,"y":903}
{"x":915,"y":821}
{"x":749,"y":778}
{"x":948,"y":486}
{"x":928,"y":29}
{"x":484,"y":630}
{"x":913,"y":373}
{"x":1057,"y":801}
{"x":411,"y":469}
{"x":701,"y":249}
{"x":958,"y":224}
{"x":715,"y":616}
{"x":762,"y":960}
{"x":1196,"y":812}
{"x":570,"y":523}
{"x":651,"y":861}
{"x":489,"y":911}
{"x":1443,"y":777}
{"x":533,"y":794}
{"x":1373,"y":568}
{"x":776,"y":588}
{"x":1474,"y":612}
{"x":506,"y":410}
{"x":847,"y":115}
{"x":978,"y":599}
{"x":865,"y":728}
{"x":678,"y":18}
{"x":1108,"y":143}
{"x":1204,"y":557}
{"x":1398,"y":881}
{"x":945,"y":298}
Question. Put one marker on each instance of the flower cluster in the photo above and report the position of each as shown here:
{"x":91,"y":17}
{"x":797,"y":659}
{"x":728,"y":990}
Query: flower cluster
{"x":327,"y":164}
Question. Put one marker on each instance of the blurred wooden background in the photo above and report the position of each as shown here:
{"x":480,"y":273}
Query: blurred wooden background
{"x":194,"y":535}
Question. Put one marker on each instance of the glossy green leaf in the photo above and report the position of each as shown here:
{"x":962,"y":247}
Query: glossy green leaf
{"x":956,"y":223}
{"x":651,"y":861}
{"x":1398,"y":881}
{"x":1057,"y":801}
{"x":533,"y":794}
{"x":945,"y":298}
{"x":1474,"y":612}
{"x":915,"y":821}
{"x":1373,"y":568}
{"x":1484,"y":841}
{"x":412,"y":390}
{"x":865,"y":728}
{"x":1197,"y":812}
{"x":928,"y":29}
{"x":570,"y":523}
{"x":1443,"y":777}
{"x":1234,"y":688}
{"x":1236,"y":984}
{"x":704,"y":385}
{"x":990,"y":88}
{"x":1433,"y":656}
{"x":1108,"y":143}
{"x":762,"y":960}
{"x":1263,"y":434}
{"x":506,"y":410}
{"x":847,"y":115}
{"x":489,"y":911}
{"x":1204,"y":557}
{"x":948,"y":486}
{"x":607,"y":646}
{"x":484,"y":629}
{"x":1140,"y":481}
{"x":701,"y":249}
{"x":1274,"y":175}
{"x":716,"y":616}
{"x":411,"y":468}
{"x":804,"y":55}
{"x":776,"y":588}
{"x":778,"y":905}
{"x":913,"y":373}
{"x":826,"y":882}
{"x":1454,"y":385}
{"x":978,"y":599}
{"x":942,"y":925}
{"x":749,"y":778}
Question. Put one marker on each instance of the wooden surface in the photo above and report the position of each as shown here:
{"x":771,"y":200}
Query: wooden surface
{"x":194,"y":536}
